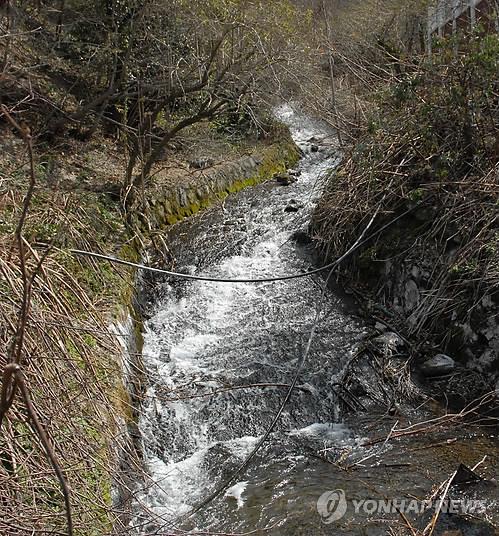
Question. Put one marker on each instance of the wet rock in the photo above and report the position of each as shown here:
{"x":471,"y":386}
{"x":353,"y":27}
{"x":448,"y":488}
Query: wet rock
{"x":455,"y":524}
{"x":201,"y":163}
{"x":411,"y":295}
{"x":464,"y":475}
{"x":248,"y":164}
{"x":285,"y":179}
{"x":293,"y":208}
{"x":390,"y":341}
{"x":438,"y":365}
{"x":303,"y":239}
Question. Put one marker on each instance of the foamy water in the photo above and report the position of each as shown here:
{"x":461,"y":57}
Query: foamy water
{"x":211,"y":336}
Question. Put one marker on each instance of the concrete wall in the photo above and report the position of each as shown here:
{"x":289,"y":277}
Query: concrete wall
{"x":446,"y":17}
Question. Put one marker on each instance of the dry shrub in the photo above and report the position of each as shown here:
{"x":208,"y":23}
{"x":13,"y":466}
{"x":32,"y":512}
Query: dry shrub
{"x":71,"y":361}
{"x":370,"y":43}
{"x":432,"y":147}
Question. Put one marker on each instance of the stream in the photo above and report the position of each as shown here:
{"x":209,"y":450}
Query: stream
{"x":219,"y":359}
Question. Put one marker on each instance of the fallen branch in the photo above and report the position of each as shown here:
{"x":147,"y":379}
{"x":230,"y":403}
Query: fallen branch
{"x":432,"y":424}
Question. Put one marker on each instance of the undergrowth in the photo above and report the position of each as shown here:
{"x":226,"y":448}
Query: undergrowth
{"x":433,"y":147}
{"x":71,"y":359}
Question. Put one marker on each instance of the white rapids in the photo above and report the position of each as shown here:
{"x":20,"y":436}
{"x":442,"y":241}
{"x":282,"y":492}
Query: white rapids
{"x":217,"y":338}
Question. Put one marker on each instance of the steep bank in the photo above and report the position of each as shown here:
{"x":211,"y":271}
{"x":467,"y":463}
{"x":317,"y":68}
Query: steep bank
{"x":83,"y":318}
{"x":429,"y":160}
{"x":71,"y":362}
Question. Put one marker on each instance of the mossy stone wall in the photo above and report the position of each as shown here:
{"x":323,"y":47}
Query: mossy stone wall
{"x":172,"y":204}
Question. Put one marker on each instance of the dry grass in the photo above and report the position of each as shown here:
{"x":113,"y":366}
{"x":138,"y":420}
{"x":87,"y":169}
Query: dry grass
{"x":70,"y":359}
{"x":435,"y":150}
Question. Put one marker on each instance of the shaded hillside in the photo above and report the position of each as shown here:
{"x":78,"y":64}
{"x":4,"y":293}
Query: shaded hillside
{"x":429,"y":156}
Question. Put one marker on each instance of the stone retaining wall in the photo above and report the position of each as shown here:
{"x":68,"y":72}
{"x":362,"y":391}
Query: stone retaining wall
{"x":172,"y":204}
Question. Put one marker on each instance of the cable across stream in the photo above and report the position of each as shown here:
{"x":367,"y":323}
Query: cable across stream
{"x":299,"y":367}
{"x":330,"y":267}
{"x":270,"y":279}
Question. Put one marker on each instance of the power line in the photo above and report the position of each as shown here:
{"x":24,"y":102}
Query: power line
{"x":330,"y":266}
{"x":271,"y":279}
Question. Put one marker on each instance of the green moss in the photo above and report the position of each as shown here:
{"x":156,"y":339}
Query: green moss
{"x":416,"y":195}
{"x":171,"y":219}
{"x":73,"y":352}
{"x":195,"y":207}
{"x":130,"y":251}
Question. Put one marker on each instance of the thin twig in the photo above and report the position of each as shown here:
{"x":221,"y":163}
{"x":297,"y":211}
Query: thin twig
{"x":46,"y":444}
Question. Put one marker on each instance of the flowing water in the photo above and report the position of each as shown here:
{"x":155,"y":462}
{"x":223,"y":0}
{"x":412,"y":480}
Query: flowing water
{"x":219,"y":358}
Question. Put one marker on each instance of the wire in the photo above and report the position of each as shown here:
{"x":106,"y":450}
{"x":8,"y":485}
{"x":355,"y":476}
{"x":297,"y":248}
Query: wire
{"x":330,"y":266}
{"x":180,"y":275}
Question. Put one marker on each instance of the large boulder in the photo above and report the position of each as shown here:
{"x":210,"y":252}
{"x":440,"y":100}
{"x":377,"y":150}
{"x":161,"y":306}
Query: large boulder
{"x":293,"y":206}
{"x":285,"y":179}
